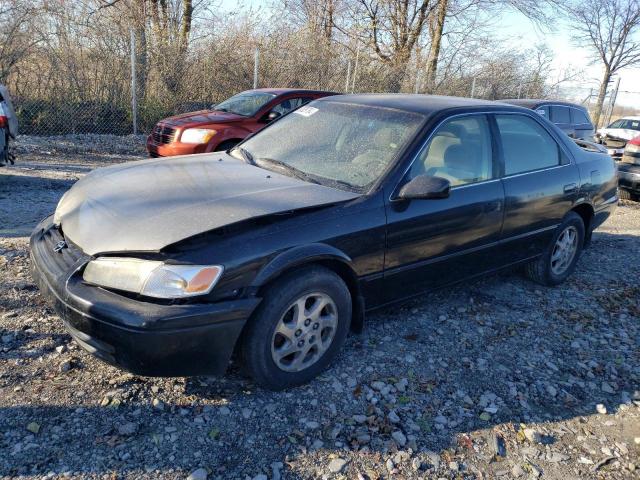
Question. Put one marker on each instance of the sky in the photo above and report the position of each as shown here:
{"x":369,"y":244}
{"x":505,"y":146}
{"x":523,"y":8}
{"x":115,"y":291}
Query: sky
{"x":566,"y":55}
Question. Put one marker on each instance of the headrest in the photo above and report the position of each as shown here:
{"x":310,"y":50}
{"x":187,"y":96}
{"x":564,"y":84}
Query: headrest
{"x":460,"y":157}
{"x":454,"y":130}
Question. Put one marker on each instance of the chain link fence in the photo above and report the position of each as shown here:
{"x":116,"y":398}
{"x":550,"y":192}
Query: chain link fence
{"x":126,"y":95}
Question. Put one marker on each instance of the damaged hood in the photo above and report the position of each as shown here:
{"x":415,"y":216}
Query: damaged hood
{"x":148,"y":205}
{"x":623,"y":133}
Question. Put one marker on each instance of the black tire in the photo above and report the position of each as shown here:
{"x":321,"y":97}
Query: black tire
{"x":540,"y":270}
{"x":259,"y":334}
{"x":227,"y":145}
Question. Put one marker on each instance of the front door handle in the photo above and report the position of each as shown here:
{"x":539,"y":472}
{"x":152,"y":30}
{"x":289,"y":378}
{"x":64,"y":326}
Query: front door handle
{"x":494,"y":206}
{"x":570,"y":188}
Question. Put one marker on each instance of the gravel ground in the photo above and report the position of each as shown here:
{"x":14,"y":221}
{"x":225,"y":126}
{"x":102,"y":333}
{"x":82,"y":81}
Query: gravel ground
{"x":498,"y":379}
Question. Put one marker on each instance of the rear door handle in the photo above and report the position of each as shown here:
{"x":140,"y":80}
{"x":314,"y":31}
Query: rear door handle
{"x":571,"y":187}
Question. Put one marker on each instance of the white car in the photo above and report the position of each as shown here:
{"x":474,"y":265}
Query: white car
{"x":616,"y":135}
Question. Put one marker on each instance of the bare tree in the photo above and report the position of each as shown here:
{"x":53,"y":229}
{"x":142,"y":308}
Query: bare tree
{"x":535,"y":10}
{"x":319,"y":16}
{"x":18,"y":37}
{"x":610,"y":29}
{"x":393,"y":29}
{"x":436,"y":28}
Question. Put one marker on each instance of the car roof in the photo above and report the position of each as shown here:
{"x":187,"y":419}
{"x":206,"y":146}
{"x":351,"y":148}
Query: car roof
{"x":538,"y":102}
{"x":631,"y":117}
{"x":282,"y":91}
{"x":416,"y":103}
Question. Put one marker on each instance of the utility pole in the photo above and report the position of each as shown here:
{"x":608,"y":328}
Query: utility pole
{"x":134,"y":83}
{"x":613,"y":100}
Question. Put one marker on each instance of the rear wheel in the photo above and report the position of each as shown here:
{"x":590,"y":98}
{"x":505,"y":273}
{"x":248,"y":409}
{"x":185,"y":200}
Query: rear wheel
{"x":560,"y":257}
{"x":298,"y":329}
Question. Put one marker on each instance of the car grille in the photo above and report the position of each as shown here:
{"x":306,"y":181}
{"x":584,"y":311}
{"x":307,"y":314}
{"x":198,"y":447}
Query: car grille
{"x":163,"y":134}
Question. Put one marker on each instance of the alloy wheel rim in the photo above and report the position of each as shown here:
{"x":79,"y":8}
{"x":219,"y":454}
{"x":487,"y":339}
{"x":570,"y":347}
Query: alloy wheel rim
{"x":564,"y":250}
{"x":304,"y":332}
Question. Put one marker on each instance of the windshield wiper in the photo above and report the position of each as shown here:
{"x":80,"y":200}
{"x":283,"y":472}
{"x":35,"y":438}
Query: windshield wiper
{"x":341,"y":183}
{"x":246,"y":155}
{"x":284,"y":167}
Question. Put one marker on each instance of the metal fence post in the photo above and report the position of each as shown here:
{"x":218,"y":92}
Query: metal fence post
{"x":256,"y":61}
{"x":134,"y":83}
{"x":473,"y":88}
{"x":346,"y":85}
{"x":418,"y":80}
{"x":355,"y":70}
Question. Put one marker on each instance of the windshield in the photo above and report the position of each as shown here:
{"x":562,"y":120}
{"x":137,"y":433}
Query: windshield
{"x":626,"y":124}
{"x":336,"y":144}
{"x":246,"y":103}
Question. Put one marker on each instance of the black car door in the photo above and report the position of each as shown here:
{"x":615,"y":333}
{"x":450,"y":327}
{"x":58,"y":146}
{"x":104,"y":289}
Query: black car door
{"x":437,"y":241}
{"x":540,"y":184}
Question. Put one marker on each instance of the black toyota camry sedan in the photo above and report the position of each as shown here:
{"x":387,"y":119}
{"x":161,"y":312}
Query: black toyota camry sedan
{"x":274,"y":251}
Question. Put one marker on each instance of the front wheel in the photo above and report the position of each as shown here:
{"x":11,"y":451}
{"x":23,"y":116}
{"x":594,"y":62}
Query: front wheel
{"x":561,"y":255}
{"x":624,"y":194}
{"x":298,"y":329}
{"x":228,"y":145}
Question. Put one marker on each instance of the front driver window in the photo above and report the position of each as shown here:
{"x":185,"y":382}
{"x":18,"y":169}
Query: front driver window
{"x":460,"y":151}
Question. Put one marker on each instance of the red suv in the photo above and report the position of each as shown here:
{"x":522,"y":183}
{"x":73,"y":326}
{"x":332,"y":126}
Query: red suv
{"x":228,"y":124}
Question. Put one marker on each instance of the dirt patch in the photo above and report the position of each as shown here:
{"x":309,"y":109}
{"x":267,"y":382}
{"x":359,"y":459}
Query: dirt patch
{"x":498,"y":379}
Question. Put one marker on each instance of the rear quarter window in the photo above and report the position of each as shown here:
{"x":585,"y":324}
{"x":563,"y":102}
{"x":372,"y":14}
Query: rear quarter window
{"x":579,"y":117}
{"x":544,"y":111}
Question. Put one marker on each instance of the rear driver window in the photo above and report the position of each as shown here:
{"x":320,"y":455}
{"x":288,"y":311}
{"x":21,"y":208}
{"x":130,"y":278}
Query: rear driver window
{"x":526,"y":145}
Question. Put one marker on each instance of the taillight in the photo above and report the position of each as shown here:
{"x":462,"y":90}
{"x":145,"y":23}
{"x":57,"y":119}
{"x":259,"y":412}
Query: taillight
{"x":633,"y":145}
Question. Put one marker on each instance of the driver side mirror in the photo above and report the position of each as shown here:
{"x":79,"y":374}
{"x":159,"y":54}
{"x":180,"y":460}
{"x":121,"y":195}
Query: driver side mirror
{"x":271,"y":116}
{"x":425,"y":187}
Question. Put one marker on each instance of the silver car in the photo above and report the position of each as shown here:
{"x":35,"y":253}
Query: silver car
{"x":617,"y":134}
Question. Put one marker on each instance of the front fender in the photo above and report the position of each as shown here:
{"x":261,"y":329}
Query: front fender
{"x":293,"y":257}
{"x":227,"y":133}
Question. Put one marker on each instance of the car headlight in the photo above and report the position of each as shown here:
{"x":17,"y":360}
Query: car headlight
{"x":197,"y":135}
{"x":152,"y":278}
